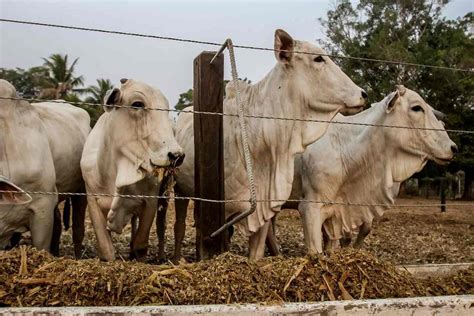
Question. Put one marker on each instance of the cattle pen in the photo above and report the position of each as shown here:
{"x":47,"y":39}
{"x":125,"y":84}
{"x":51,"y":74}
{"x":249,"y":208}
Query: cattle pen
{"x":212,"y":280}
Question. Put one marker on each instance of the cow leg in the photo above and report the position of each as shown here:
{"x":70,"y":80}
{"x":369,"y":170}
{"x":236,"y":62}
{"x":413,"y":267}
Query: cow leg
{"x":271,"y":241}
{"x":14,"y":241}
{"x":328,"y":243}
{"x":346,"y":240}
{"x":257,"y":242}
{"x":181,"y":211}
{"x":105,"y":246}
{"x":161,"y":228}
{"x":364,"y":230}
{"x":57,"y":229}
{"x":79,"y":205}
{"x":42,"y":220}
{"x":134,"y":224}
{"x":140,"y":242}
{"x":312,"y":227}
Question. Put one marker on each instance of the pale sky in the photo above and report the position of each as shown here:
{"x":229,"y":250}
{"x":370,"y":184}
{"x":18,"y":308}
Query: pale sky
{"x":163,"y":64}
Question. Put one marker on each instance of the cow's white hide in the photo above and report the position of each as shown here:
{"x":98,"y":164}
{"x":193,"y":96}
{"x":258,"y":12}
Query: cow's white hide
{"x":67,"y":127}
{"x":299,"y":86}
{"x":121,"y":156}
{"x":365,"y":164}
{"x":26,"y":160}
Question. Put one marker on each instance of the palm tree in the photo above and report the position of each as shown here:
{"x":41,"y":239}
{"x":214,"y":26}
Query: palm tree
{"x":61,"y":75}
{"x":97,"y":92}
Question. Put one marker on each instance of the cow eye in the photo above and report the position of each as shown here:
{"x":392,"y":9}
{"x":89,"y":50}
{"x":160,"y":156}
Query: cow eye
{"x":319,"y":59}
{"x":417,"y":108}
{"x":138,"y":105}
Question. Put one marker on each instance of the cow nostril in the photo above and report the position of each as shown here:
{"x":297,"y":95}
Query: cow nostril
{"x":177,"y":158}
{"x":454,"y":149}
{"x":364,"y":95}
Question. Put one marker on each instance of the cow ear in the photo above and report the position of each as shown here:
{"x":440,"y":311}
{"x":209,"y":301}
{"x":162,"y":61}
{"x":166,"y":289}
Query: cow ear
{"x":391,"y":101}
{"x":284,"y":46}
{"x":112,"y":97}
{"x":15,"y":196}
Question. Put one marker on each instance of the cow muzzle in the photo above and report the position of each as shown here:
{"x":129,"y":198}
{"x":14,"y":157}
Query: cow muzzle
{"x":176,"y":158}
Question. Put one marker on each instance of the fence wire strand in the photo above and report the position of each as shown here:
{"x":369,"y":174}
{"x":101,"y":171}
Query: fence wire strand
{"x":173,"y":198}
{"x":34,"y":100}
{"x":176,"y":39}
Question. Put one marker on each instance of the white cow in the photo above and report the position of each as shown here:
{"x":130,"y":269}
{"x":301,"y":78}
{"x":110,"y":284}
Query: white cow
{"x":365,"y":164}
{"x":67,"y":127}
{"x":26,"y":159}
{"x":123,"y":154}
{"x":301,"y":86}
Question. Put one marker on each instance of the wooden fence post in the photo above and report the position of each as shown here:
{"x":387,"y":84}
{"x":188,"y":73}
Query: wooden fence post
{"x":209,"y":154}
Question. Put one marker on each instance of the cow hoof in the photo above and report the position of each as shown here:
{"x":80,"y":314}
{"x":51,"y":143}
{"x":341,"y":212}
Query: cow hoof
{"x":139,"y":254}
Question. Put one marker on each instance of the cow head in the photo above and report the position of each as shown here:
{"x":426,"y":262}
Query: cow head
{"x":315,"y":78}
{"x":10,"y":194}
{"x":405,"y":107}
{"x":142,"y":136}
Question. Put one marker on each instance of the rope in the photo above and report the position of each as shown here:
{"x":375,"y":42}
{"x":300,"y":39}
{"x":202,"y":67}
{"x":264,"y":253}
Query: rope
{"x":245,"y":145}
{"x":169,"y":38}
{"x":245,"y":115}
{"x":173,"y":198}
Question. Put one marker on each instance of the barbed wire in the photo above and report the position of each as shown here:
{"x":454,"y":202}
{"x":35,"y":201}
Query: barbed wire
{"x":34,"y":100}
{"x":176,"y":39}
{"x":229,"y":201}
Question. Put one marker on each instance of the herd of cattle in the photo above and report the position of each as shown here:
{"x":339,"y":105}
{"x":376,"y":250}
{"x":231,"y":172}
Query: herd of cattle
{"x":50,"y":147}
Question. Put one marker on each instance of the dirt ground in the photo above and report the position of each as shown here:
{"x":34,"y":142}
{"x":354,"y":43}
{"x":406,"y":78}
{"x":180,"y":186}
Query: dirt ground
{"x":412,"y":235}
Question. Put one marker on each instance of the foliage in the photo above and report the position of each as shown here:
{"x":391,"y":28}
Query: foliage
{"x":61,"y":72}
{"x":411,"y":31}
{"x":186,"y":98}
{"x":28,"y":82}
{"x":96,"y":95}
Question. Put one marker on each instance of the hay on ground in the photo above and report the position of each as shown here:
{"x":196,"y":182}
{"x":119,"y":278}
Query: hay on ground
{"x":34,"y":278}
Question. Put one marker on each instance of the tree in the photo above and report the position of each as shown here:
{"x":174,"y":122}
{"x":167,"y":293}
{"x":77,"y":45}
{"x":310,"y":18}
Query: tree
{"x":185,"y":100}
{"x":28,"y":83}
{"x":97,"y":92}
{"x":96,"y":95}
{"x":62,"y":79}
{"x":411,"y":31}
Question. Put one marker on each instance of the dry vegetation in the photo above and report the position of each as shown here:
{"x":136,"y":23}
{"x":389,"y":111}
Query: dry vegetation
{"x":34,"y":278}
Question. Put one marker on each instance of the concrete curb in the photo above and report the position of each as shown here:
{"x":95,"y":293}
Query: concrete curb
{"x":443,"y":305}
{"x":424,"y":271}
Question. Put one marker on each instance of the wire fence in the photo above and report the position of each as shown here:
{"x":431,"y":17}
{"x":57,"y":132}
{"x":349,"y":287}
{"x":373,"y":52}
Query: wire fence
{"x":169,"y":197}
{"x":230,"y":201}
{"x":176,"y":39}
{"x":298,"y":119}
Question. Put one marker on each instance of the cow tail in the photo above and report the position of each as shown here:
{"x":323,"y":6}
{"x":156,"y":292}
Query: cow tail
{"x":67,"y":213}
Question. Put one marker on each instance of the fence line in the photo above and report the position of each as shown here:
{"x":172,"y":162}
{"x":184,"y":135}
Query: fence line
{"x":173,"y":198}
{"x":460,"y":131}
{"x":169,"y":38}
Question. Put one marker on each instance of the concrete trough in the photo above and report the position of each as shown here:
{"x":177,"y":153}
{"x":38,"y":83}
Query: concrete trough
{"x":424,"y":271}
{"x":418,"y":306}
